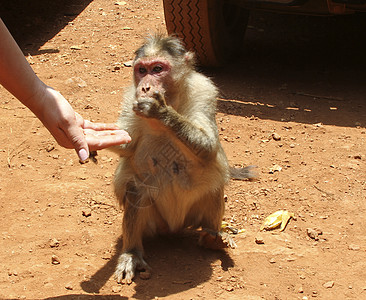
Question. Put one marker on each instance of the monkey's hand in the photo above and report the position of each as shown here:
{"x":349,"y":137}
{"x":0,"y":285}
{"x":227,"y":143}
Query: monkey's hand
{"x":128,"y":263}
{"x":216,"y":239}
{"x":150,"y":107}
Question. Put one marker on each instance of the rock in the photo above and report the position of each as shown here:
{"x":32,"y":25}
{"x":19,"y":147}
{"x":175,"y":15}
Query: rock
{"x":49,"y":148}
{"x":276,"y":136}
{"x":275,"y":168}
{"x":87,"y":212}
{"x":55,"y":260}
{"x":75,"y":47}
{"x":353,"y":247}
{"x":69,"y":286}
{"x":76,"y":81}
{"x":313,"y":234}
{"x":259,"y":240}
{"x":116,"y":289}
{"x":300,"y":289}
{"x":54,"y":243}
{"x":328,"y":284}
{"x":272,"y":261}
{"x":128,"y":63}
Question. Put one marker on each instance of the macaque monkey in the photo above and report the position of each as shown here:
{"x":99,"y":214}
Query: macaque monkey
{"x":172,"y":174}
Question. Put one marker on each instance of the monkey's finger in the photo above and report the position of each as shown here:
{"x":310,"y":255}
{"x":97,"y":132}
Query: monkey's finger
{"x":159,"y":97}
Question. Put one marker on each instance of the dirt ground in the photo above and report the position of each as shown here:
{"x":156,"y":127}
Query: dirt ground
{"x":294,"y":105}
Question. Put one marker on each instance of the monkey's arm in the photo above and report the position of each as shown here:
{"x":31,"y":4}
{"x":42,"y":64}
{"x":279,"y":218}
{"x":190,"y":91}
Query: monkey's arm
{"x":121,"y":150}
{"x":199,"y":140}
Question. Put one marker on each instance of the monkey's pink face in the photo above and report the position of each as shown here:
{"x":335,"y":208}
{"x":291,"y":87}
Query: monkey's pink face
{"x":151,"y":75}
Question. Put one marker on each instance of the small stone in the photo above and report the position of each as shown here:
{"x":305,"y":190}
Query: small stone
{"x":116,"y":289}
{"x":353,"y":247}
{"x":259,"y":240}
{"x":75,"y":47}
{"x":328,"y":284}
{"x":276,"y":136}
{"x":272,"y":261}
{"x":300,"y":289}
{"x":54,"y":243}
{"x":49,"y":148}
{"x":55,"y":260}
{"x":108,"y":175}
{"x":128,"y":63}
{"x":312,"y":234}
{"x":69,"y":286}
{"x":87,"y":212}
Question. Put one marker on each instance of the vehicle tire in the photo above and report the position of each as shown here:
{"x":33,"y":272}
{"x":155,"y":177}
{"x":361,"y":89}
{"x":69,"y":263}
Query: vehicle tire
{"x":213,"y":29}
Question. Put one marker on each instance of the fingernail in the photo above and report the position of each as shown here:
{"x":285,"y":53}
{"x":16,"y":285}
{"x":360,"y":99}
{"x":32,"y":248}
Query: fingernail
{"x":83,"y":155}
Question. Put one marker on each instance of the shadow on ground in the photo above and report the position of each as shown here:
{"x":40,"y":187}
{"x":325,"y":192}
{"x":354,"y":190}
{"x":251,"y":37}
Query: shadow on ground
{"x":168,"y":257}
{"x":298,"y":68}
{"x":33,"y":23}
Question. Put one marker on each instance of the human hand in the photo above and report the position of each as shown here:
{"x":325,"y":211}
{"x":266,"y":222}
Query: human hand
{"x":69,"y":128}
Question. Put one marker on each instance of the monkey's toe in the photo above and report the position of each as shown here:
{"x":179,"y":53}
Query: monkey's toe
{"x":128,"y":263}
{"x":216,"y":240}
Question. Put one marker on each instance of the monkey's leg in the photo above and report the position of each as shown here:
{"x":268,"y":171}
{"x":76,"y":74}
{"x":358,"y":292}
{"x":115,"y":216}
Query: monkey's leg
{"x":211,"y":235}
{"x":135,"y":219}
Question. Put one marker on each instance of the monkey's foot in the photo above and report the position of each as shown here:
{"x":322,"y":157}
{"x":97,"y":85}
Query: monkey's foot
{"x":216,"y":239}
{"x":128,"y":263}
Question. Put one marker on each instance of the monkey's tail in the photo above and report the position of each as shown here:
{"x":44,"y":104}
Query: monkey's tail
{"x":248,"y":172}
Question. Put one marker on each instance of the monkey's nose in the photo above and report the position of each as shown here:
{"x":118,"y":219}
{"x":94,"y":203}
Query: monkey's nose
{"x":145,"y":89}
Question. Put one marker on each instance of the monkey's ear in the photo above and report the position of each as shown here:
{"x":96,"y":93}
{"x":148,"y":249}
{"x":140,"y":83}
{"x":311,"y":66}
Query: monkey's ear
{"x":189,"y":58}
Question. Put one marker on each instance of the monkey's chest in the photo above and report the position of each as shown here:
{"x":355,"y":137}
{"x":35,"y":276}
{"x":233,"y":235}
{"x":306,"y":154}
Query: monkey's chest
{"x":160,"y":164}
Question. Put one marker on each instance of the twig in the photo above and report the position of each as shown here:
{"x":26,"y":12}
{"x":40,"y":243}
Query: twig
{"x":318,"y":96}
{"x":14,"y":153}
{"x":324,"y":192}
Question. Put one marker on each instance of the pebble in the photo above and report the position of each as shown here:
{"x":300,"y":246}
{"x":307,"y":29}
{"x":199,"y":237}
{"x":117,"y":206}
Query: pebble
{"x":276,"y":136}
{"x":300,"y":289}
{"x":116,"y":289}
{"x":87,"y":212}
{"x":128,"y":63}
{"x":353,"y":247}
{"x":259,"y":240}
{"x":328,"y":284}
{"x":54,"y":243}
{"x":313,"y":234}
{"x":69,"y":286}
{"x":49,"y":148}
{"x":55,"y":260}
{"x":272,"y":261}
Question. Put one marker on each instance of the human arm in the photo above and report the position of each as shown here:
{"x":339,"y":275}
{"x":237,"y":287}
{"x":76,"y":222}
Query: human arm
{"x":68,"y":128}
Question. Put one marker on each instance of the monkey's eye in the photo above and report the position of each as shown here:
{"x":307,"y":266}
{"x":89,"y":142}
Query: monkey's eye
{"x":142,"y":70}
{"x":157,"y":69}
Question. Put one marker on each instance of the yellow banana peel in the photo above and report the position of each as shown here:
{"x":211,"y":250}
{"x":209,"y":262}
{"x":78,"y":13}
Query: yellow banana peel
{"x":278,"y":218}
